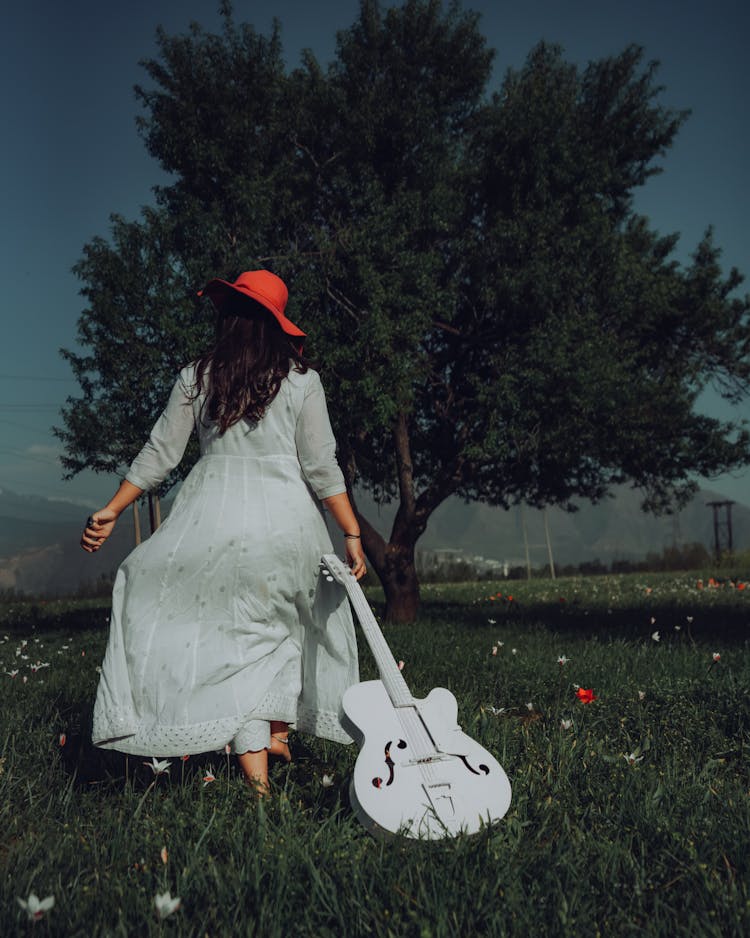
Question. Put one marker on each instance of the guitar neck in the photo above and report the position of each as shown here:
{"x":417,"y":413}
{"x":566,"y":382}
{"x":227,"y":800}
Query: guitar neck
{"x":390,"y":675}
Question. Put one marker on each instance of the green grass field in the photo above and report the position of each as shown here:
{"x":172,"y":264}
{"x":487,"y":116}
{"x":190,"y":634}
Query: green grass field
{"x":630,"y":815}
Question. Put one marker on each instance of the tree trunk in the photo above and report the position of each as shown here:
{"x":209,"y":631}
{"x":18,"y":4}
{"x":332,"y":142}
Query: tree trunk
{"x":400,"y":584}
{"x":394,"y":564}
{"x":393,"y":560}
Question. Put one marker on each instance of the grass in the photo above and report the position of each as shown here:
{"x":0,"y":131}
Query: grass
{"x":633,"y":821}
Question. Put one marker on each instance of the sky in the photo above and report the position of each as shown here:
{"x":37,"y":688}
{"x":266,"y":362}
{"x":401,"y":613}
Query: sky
{"x":71,"y":156}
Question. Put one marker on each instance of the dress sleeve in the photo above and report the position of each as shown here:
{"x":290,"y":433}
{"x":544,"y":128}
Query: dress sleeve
{"x":316,"y":445}
{"x":167,"y":441}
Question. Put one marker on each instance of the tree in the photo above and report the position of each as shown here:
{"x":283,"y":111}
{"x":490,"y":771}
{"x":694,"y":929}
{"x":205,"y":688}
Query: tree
{"x":492,"y":318}
{"x":139,"y":327}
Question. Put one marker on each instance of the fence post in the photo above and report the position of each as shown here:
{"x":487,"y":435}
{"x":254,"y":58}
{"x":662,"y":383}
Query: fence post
{"x":136,"y":523}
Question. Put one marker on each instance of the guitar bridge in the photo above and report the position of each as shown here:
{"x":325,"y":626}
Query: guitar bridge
{"x":441,"y":799}
{"x":428,"y":760}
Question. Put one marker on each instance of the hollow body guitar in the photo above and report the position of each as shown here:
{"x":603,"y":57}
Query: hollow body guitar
{"x":417,"y":774}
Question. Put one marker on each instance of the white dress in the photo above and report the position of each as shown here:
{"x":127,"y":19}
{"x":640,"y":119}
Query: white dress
{"x":221,"y":620}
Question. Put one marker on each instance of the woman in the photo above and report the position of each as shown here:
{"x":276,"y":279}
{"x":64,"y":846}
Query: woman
{"x":222,"y":630}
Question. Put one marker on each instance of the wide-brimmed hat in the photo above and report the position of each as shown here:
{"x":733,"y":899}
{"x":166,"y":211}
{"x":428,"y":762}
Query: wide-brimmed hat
{"x":259,"y":285}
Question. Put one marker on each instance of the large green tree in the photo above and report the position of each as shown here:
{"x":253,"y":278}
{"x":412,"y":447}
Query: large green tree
{"x":492,"y":318}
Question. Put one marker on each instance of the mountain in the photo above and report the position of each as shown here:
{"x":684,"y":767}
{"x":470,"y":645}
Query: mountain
{"x":615,"y":529}
{"x":40,"y":554}
{"x":39,"y":546}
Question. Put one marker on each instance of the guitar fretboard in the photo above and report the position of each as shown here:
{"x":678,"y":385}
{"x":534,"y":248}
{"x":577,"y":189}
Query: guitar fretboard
{"x":392,"y":679}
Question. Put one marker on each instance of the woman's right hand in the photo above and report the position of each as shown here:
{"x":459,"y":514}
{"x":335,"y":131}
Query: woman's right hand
{"x":98,"y":528}
{"x":355,"y":557}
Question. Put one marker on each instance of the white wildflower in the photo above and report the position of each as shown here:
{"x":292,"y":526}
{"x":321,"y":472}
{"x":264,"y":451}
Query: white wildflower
{"x":35,"y":907}
{"x":165,"y":904}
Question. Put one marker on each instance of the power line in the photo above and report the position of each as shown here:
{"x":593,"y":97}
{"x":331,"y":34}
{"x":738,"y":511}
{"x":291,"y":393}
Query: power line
{"x":24,"y":426}
{"x":47,"y":461}
{"x":33,"y":378}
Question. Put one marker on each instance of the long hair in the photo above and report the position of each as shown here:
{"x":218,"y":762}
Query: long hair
{"x":243,"y":372}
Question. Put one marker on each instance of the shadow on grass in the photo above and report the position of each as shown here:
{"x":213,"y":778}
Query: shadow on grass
{"x":108,"y":769}
{"x":57,"y":615}
{"x":728,"y":622}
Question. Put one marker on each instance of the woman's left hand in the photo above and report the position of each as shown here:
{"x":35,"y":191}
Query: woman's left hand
{"x":98,"y":528}
{"x":355,"y":556}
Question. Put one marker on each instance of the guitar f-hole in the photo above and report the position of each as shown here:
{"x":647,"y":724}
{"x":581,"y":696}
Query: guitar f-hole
{"x":377,"y":781}
{"x":483,"y":769}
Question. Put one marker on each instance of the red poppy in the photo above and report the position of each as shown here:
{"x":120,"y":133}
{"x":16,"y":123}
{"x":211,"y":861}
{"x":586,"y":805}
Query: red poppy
{"x":585,"y":696}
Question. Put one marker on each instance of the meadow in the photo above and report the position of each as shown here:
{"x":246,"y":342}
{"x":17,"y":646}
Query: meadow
{"x":630,"y":813}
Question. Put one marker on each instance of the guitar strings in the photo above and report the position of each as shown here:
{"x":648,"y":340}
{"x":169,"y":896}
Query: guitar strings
{"x":412,"y":724}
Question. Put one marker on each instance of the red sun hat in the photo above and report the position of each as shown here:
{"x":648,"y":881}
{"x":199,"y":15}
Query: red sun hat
{"x":259,"y":285}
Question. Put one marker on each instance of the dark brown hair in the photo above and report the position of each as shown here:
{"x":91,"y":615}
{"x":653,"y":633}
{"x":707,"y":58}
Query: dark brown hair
{"x":243,"y":372}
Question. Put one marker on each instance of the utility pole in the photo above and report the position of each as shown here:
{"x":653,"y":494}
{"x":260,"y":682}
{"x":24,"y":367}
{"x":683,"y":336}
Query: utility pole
{"x":525,"y":541}
{"x":527,"y":546}
{"x":549,"y":546}
{"x":722,"y":528}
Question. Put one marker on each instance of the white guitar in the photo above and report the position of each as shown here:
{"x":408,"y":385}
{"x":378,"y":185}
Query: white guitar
{"x":417,"y":773}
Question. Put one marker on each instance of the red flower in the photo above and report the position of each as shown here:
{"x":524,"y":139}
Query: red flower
{"x":585,"y":696}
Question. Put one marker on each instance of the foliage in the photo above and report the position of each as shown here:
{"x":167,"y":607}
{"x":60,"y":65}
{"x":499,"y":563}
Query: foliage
{"x":633,"y":819}
{"x":492,"y":318}
{"x":139,"y":328}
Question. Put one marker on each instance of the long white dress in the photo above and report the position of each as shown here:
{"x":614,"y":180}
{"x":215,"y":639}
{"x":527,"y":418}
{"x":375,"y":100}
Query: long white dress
{"x":221,"y":620}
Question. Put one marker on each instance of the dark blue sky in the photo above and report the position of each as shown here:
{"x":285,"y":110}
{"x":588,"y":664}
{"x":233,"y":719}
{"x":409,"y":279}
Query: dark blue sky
{"x":71,"y":156}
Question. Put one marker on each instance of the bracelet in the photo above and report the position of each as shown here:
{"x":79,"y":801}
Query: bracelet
{"x":355,"y":537}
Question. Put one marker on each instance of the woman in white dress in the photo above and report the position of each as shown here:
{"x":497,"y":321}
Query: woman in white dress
{"x":222,"y":629}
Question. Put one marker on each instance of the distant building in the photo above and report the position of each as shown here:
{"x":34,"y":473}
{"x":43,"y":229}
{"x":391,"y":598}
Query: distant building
{"x":455,"y":563}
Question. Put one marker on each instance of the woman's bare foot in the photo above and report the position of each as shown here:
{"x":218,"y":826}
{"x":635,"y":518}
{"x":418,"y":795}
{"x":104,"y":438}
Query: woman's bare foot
{"x":258,"y":788}
{"x":280,"y":740}
{"x":254,"y":767}
{"x":280,"y":747}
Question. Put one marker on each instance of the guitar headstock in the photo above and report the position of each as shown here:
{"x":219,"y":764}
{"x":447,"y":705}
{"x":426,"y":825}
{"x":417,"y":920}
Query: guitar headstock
{"x":333,"y":568}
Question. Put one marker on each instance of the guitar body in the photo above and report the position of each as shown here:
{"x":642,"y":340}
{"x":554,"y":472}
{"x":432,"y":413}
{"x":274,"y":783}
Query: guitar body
{"x":417,"y":773}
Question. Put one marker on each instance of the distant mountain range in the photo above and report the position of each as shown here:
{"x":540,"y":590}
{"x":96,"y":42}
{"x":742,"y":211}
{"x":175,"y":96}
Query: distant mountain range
{"x":39,"y":552}
{"x":615,"y":529}
{"x":39,"y":545}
